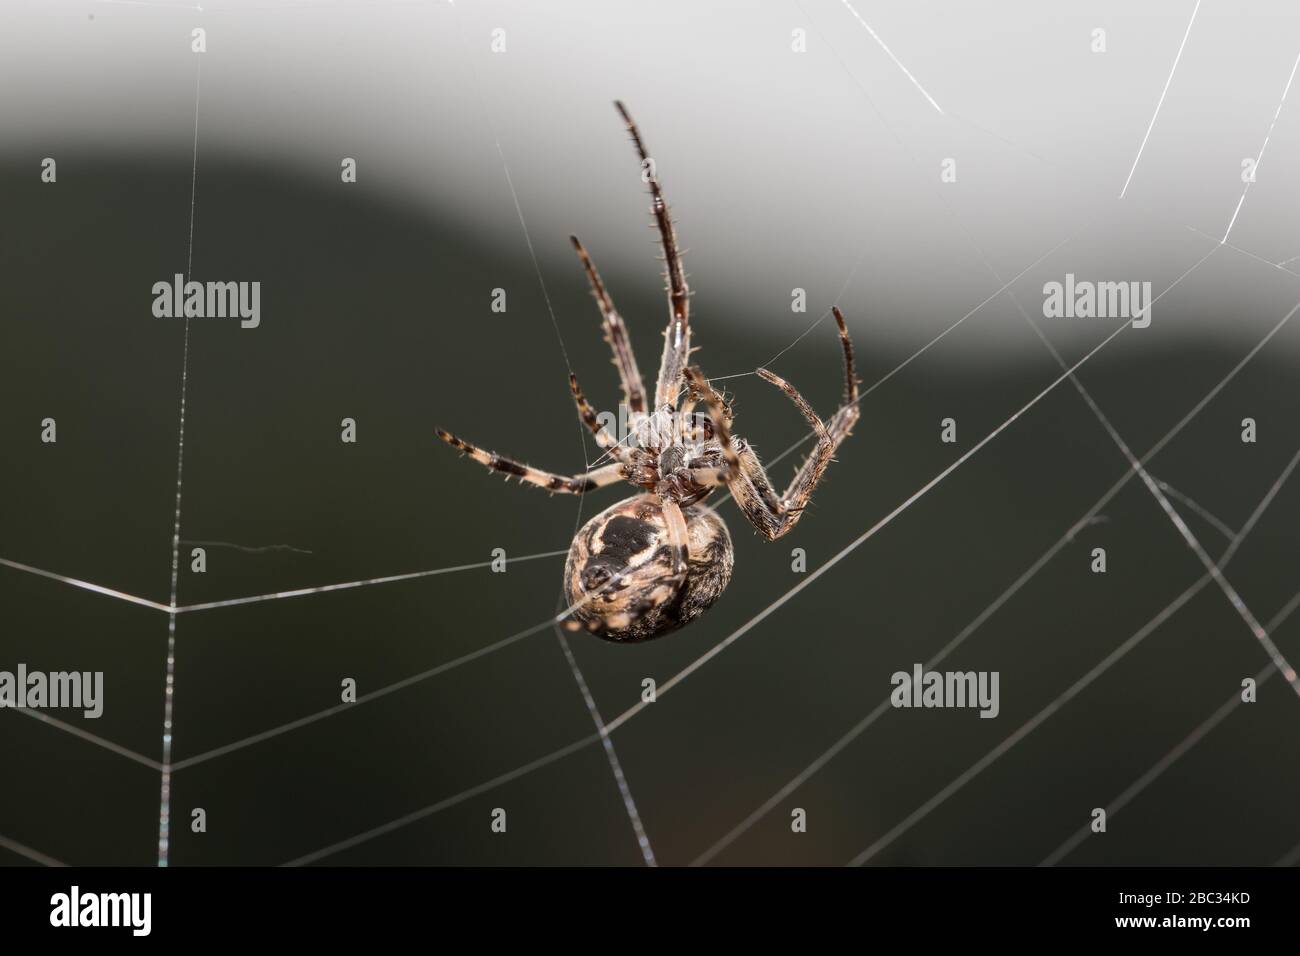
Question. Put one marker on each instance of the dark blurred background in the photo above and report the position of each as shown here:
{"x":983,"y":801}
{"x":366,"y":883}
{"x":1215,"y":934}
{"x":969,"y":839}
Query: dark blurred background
{"x":375,"y":306}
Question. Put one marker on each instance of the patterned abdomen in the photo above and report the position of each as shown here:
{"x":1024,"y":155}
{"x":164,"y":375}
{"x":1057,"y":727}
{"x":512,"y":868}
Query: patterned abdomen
{"x":621,"y":563}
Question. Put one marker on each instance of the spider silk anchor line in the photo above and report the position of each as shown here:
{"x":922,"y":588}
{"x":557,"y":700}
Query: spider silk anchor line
{"x":274,"y":595}
{"x":13,"y":846}
{"x":169,"y":678}
{"x":384,"y":691}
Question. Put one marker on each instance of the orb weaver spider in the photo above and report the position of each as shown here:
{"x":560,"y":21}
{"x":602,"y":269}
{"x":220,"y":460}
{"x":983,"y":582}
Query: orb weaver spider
{"x":654,"y":562}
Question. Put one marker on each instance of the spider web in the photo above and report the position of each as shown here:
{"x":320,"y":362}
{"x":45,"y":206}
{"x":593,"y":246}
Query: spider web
{"x":1163,"y":495}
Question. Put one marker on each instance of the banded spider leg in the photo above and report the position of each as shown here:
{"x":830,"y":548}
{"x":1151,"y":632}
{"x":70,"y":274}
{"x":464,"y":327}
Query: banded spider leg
{"x":771,"y":514}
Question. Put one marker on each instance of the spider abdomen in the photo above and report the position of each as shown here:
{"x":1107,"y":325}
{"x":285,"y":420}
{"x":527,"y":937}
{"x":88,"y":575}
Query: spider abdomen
{"x":619,"y":577}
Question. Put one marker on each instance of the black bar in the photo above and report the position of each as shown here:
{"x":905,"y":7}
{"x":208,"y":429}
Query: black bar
{"x":332,"y":905}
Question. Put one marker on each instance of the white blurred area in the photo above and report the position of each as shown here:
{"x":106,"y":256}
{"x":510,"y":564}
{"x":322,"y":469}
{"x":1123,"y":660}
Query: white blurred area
{"x":817,"y":169}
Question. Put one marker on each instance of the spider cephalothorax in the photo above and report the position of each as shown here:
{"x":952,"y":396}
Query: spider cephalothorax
{"x":654,"y":562}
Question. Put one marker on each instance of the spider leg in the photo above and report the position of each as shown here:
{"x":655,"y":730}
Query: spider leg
{"x":842,"y":422}
{"x":677,"y":337}
{"x":774,"y":522}
{"x":846,"y":343}
{"x":740,"y":471}
{"x":571,"y":484}
{"x":700,"y":389}
{"x":677,"y":539}
{"x":616,"y":336}
{"x":603,"y":438}
{"x":800,"y":402}
{"x":694,"y":426}
{"x":774,"y":515}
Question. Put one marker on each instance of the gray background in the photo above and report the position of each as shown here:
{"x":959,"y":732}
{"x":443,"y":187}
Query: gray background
{"x":818,"y":170}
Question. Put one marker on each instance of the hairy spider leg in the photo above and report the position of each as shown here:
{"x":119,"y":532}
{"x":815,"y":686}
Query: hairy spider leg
{"x":603,"y":438}
{"x":850,"y":377}
{"x":571,"y":484}
{"x":616,"y":335}
{"x":677,"y":538}
{"x":773,"y":515}
{"x":700,"y":389}
{"x":677,"y":337}
{"x":740,"y":469}
{"x":842,"y":422}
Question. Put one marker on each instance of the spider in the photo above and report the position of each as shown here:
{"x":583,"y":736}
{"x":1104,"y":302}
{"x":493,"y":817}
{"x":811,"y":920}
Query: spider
{"x":654,"y":562}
